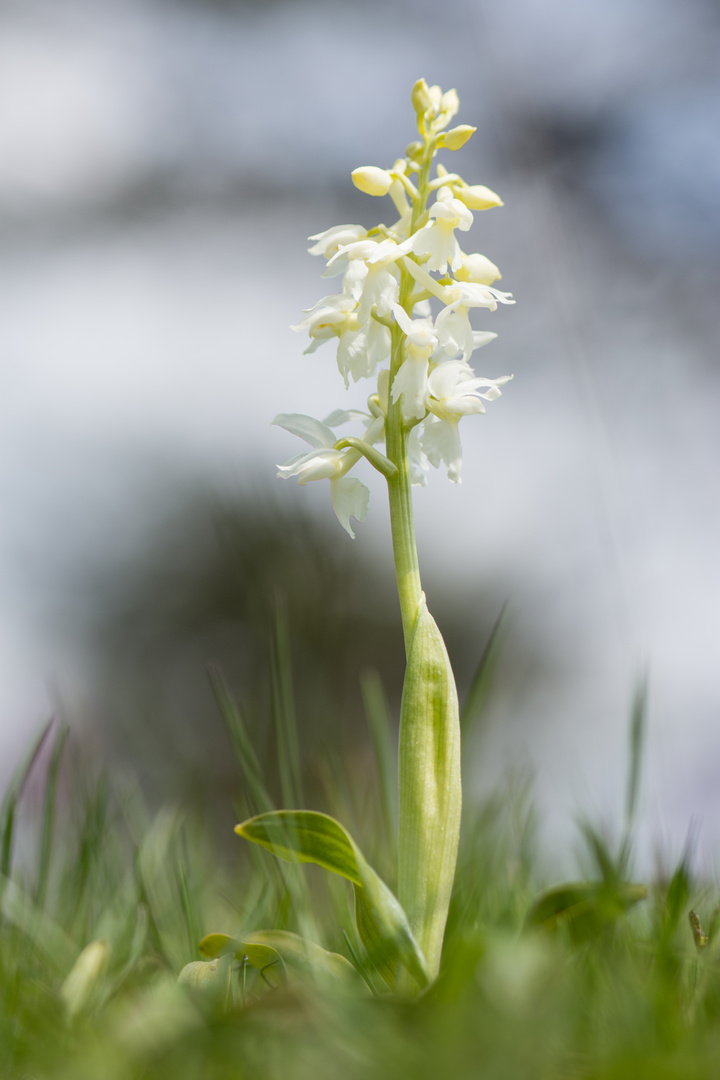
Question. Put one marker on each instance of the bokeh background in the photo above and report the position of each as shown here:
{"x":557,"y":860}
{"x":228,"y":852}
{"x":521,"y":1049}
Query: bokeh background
{"x":161,"y":165}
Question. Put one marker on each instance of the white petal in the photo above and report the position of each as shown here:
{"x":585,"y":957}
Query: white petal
{"x":350,"y":498}
{"x":360,"y":352}
{"x":482,"y":337}
{"x":315,"y":465}
{"x":441,"y":442}
{"x":329,"y":241}
{"x":418,"y":459}
{"x":402,"y":318}
{"x":454,"y":332}
{"x":343,"y":416}
{"x":411,"y":381}
{"x":307,"y":427}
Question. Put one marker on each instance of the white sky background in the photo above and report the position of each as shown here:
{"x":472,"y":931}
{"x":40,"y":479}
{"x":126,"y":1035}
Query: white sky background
{"x":135,"y":344}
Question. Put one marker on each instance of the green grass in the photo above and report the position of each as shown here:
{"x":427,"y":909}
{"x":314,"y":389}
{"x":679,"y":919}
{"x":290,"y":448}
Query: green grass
{"x":588,"y":979}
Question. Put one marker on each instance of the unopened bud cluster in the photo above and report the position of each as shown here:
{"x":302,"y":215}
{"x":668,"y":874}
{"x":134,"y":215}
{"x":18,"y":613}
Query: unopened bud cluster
{"x":382,"y":323}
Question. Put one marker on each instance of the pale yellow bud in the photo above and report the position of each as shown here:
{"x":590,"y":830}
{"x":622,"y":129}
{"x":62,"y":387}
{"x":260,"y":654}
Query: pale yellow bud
{"x":448,"y":107}
{"x":82,"y":983}
{"x":420,"y":96}
{"x":372,"y":180}
{"x":457,"y":136}
{"x":478,"y":197}
{"x":479,"y":269}
{"x":414,"y":151}
{"x":207,"y":979}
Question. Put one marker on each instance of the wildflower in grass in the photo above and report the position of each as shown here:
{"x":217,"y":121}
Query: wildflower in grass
{"x":403,"y":315}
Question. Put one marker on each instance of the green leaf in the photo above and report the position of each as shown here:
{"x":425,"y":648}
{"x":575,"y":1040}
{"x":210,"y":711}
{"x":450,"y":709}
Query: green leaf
{"x":259,"y":955}
{"x":430,"y":786}
{"x":586,"y":908}
{"x":266,"y":947}
{"x":310,"y":837}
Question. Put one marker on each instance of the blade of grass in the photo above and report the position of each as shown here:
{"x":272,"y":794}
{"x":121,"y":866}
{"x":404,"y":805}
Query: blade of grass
{"x":256,"y":793}
{"x":376,"y":710}
{"x":48,"y":815}
{"x":285,"y":718}
{"x":51,"y":941}
{"x":638,"y":717}
{"x":12,"y":797}
{"x":481,"y":683}
{"x":289,"y":879}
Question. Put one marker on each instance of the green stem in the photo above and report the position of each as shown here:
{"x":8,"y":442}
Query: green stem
{"x":402,"y":519}
{"x":402,"y":523}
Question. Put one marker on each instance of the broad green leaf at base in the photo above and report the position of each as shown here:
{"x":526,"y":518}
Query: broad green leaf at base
{"x":430,"y":786}
{"x":308,"y":836}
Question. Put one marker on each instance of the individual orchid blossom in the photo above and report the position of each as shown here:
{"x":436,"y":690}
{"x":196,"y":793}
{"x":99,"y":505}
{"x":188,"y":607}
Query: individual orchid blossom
{"x":454,"y":330}
{"x":380,"y":285}
{"x":421,"y":341}
{"x":453,"y":392}
{"x":328,"y":318}
{"x":360,"y":348}
{"x":349,"y":496}
{"x":456,"y":335}
{"x":330,"y":240}
{"x":360,"y":352}
{"x":438,"y":240}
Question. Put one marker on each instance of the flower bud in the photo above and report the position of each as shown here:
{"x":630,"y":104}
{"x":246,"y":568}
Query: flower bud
{"x":478,"y":197}
{"x":414,"y":151}
{"x":447,"y":107}
{"x":372,"y":180}
{"x":208,"y":980}
{"x":84,"y":979}
{"x":479,"y":269}
{"x":420,"y":96}
{"x":457,"y":136}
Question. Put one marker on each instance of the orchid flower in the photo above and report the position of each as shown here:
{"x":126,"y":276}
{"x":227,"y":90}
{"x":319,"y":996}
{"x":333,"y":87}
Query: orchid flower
{"x":438,"y":240}
{"x":349,"y":496}
{"x":421,"y":341}
{"x":453,"y":392}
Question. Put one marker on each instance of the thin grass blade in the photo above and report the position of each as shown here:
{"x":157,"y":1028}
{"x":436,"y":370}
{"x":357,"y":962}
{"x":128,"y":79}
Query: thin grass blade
{"x":482,"y":679}
{"x":48,"y":815}
{"x":376,"y":710}
{"x":285,"y":718}
{"x":256,"y":793}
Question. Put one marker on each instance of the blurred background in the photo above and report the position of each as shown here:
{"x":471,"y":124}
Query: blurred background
{"x":163,"y":162}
